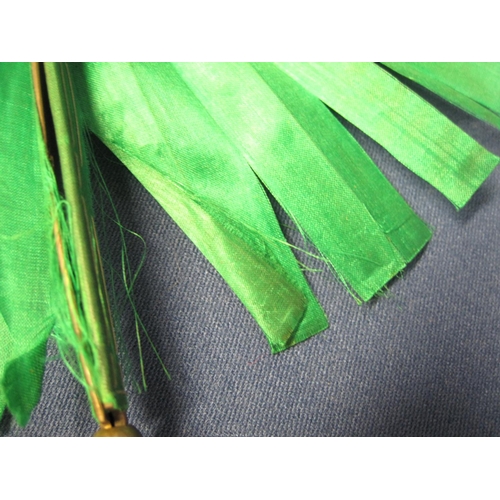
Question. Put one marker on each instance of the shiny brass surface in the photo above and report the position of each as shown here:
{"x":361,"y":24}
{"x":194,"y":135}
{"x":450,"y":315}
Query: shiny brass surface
{"x":121,"y":431}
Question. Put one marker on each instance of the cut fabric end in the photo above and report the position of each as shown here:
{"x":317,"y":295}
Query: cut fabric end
{"x":22,"y":382}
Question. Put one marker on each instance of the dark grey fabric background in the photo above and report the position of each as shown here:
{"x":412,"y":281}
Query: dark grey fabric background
{"x":423,"y":360}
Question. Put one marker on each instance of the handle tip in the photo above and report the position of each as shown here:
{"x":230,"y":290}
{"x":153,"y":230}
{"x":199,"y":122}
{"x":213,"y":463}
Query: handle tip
{"x":118,"y":431}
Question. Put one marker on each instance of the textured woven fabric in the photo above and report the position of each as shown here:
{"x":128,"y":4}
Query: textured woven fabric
{"x":422,"y":361}
{"x":26,"y":317}
{"x":175,"y":149}
{"x":200,"y":136}
{"x":470,"y":86}
{"x":401,"y":122}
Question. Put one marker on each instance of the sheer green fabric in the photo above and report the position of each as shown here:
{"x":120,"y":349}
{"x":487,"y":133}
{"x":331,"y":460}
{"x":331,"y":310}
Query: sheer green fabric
{"x":470,"y":86}
{"x":25,"y":244}
{"x":194,"y":134}
{"x":400,"y":225}
{"x":314,"y":168}
{"x":412,"y":130}
{"x":205,"y":139}
{"x":152,"y":121}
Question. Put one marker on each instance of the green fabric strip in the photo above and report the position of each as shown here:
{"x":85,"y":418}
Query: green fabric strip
{"x":412,"y":130}
{"x":280,"y":139}
{"x":25,"y":244}
{"x":151,"y":120}
{"x":21,"y":385}
{"x":472,"y":86}
{"x":402,"y":227}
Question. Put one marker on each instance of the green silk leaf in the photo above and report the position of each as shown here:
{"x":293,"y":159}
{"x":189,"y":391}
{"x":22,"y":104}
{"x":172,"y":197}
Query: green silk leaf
{"x":25,"y":244}
{"x":412,"y":130}
{"x":472,"y":86}
{"x":148,"y":116}
{"x":314,"y":168}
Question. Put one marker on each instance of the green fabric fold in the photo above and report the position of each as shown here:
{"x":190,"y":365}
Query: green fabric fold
{"x":25,"y":244}
{"x":412,"y":130}
{"x":148,"y":116}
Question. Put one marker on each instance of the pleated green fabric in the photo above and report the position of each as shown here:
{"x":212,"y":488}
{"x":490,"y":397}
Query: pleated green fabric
{"x":472,"y":86}
{"x":412,"y":130}
{"x":151,"y":120}
{"x":26,"y":317}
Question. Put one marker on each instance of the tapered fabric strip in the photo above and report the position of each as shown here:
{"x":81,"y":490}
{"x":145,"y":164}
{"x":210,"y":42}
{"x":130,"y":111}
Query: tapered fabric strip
{"x":472,"y":86}
{"x":25,"y":244}
{"x":283,"y":133}
{"x":412,"y":130}
{"x":149,"y":117}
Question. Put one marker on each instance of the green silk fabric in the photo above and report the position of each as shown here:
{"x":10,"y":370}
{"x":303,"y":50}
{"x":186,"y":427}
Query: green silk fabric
{"x":151,"y":120}
{"x":314,"y":168}
{"x":412,"y":130}
{"x":26,"y":316}
{"x":202,"y":138}
{"x":207,"y":140}
{"x":470,"y":86}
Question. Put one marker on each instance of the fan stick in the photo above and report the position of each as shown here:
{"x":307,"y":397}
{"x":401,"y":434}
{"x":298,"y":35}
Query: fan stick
{"x":56,"y":107}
